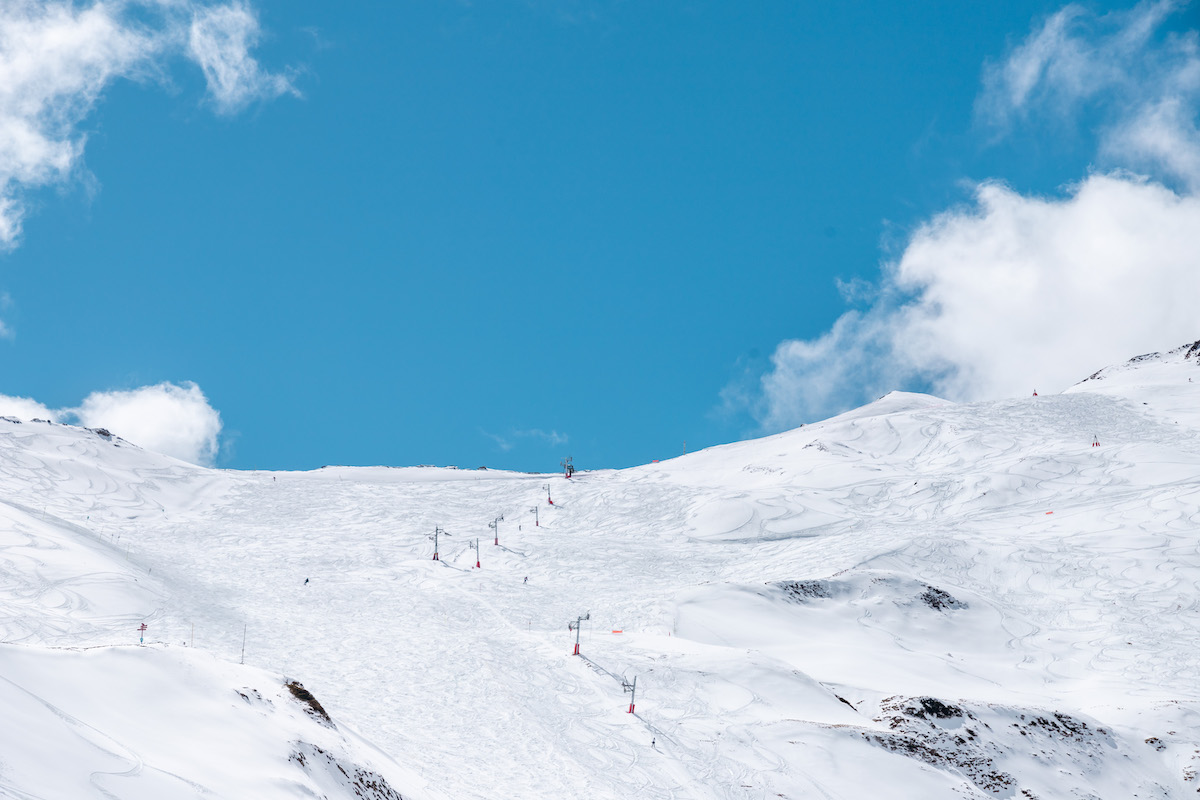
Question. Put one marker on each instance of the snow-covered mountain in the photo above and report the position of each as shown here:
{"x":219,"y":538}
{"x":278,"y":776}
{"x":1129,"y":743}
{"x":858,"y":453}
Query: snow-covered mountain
{"x":915,"y":599}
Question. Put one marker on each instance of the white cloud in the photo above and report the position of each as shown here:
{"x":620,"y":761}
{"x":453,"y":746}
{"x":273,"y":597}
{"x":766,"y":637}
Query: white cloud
{"x":25,"y":408}
{"x":506,"y":443}
{"x":810,"y":379}
{"x":552,"y":438}
{"x":1021,"y":292}
{"x":220,"y":40}
{"x":6,"y":332}
{"x":1048,"y":58}
{"x":55,"y":59}
{"x":1076,"y":56}
{"x":1015,"y":292}
{"x":176,"y":420}
{"x":1162,"y":137}
{"x":58,"y":56}
{"x":1143,"y":86}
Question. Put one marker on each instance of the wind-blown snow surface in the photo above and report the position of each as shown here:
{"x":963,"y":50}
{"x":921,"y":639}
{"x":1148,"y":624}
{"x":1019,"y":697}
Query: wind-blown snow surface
{"x":916,"y":599}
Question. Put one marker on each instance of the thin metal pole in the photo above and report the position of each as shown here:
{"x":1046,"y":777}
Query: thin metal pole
{"x":244,"y":643}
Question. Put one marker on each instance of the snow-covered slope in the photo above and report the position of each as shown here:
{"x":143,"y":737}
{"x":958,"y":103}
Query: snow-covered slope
{"x":1164,"y":382}
{"x":87,"y":712}
{"x":914,"y":599}
{"x":163,"y":722}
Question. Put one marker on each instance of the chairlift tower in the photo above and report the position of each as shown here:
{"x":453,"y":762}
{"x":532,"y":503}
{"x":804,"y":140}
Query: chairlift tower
{"x":574,"y":626}
{"x":436,"y":533}
{"x":535,"y":517}
{"x":476,"y":546}
{"x":495,"y":526}
{"x":632,"y":689}
{"x":549,"y":501}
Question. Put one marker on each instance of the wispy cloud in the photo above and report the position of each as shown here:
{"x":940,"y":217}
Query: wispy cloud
{"x":175,"y":419}
{"x":6,"y":331}
{"x":220,"y":40}
{"x":552,"y":438}
{"x":1142,"y":85}
{"x":508,"y":441}
{"x":57,"y":57}
{"x":1012,"y":292}
{"x":505,"y":443}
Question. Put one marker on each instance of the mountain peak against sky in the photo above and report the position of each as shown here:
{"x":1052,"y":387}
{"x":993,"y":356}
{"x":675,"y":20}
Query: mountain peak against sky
{"x":1187,"y":354}
{"x":894,"y":402}
{"x":1166,"y":383}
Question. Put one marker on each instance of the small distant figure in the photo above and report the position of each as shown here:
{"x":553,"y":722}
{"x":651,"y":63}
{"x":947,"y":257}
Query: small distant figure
{"x":652,"y":741}
{"x":527,"y":579}
{"x":306,"y":581}
{"x":1095,"y":441}
{"x":1035,"y":392}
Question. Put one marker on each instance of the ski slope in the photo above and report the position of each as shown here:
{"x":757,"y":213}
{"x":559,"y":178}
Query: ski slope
{"x":915,"y":599}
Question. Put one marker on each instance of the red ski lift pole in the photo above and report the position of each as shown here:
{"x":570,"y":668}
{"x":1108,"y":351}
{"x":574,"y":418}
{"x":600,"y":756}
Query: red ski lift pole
{"x":574,"y":626}
{"x":632,"y":689}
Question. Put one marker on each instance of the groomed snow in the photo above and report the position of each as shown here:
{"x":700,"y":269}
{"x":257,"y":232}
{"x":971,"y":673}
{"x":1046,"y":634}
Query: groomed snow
{"x":916,"y":599}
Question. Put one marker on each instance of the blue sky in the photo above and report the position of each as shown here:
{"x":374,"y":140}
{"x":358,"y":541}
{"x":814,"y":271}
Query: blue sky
{"x":500,"y":234}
